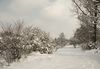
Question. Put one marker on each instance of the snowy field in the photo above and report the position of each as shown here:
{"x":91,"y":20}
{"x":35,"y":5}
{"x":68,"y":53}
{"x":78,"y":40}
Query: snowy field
{"x":65,"y":58}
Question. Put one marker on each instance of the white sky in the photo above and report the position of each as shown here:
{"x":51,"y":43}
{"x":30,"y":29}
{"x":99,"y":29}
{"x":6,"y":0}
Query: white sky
{"x":54,"y":16}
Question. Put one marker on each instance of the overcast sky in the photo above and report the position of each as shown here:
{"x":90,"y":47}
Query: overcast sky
{"x":54,"y":16}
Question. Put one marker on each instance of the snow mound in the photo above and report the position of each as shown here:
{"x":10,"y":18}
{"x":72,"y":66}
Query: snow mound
{"x":93,"y":51}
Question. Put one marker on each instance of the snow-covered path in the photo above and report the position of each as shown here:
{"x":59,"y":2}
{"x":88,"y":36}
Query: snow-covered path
{"x":65,"y":58}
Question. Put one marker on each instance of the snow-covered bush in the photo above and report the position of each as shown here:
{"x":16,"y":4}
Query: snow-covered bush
{"x":10,"y":42}
{"x":16,"y":41}
{"x":37,"y":40}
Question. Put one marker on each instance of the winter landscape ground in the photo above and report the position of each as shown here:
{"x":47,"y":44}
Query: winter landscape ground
{"x":65,"y":58}
{"x":31,"y":31}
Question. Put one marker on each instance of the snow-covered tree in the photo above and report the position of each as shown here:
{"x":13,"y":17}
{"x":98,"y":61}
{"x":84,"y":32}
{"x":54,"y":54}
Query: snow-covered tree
{"x":88,"y":15}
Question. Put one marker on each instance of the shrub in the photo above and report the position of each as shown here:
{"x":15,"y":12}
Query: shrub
{"x":85,"y":46}
{"x":37,"y":40}
{"x":16,"y":40}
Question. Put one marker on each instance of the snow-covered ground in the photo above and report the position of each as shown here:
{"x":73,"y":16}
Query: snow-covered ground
{"x":65,"y":58}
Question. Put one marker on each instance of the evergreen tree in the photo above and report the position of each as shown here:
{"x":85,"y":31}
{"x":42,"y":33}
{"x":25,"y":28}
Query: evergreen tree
{"x":61,"y":40}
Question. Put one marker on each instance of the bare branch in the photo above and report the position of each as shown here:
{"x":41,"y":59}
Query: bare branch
{"x":79,"y":7}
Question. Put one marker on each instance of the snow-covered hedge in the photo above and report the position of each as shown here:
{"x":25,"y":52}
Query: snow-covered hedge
{"x":17,"y":40}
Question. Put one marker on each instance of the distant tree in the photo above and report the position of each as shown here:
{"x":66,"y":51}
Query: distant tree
{"x":73,"y":41}
{"x":61,"y":40}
